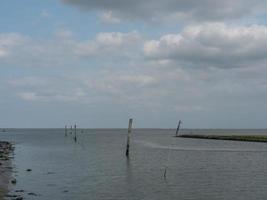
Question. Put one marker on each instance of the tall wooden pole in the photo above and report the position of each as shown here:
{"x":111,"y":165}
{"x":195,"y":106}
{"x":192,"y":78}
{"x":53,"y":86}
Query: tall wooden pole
{"x":178,"y":128}
{"x":128,"y":137}
{"x":75,"y":136}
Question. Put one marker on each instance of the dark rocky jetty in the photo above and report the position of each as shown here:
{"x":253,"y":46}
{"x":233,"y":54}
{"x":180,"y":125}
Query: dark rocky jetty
{"x":244,"y":138}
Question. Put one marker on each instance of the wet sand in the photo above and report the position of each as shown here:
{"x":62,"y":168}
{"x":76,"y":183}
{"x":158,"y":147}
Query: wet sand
{"x":5,"y":167}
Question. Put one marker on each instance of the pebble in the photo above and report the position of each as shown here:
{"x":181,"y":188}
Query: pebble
{"x":19,"y":191}
{"x":32,"y":194}
{"x":11,"y":195}
{"x":14,"y":181}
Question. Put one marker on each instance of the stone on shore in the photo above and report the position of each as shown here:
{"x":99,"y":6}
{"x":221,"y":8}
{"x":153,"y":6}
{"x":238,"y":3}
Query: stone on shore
{"x":6,"y":149}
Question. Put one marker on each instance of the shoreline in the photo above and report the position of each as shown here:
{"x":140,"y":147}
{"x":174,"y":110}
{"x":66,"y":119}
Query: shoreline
{"x":6,"y":149}
{"x":242,"y":138}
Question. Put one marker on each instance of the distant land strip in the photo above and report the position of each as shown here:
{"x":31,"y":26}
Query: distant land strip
{"x":245,"y":138}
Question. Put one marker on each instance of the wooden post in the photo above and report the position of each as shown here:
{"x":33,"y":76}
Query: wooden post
{"x":75,"y":136}
{"x":128,"y":137}
{"x":66,"y":130}
{"x":178,"y":128}
{"x":165,"y":173}
{"x":71,"y":129}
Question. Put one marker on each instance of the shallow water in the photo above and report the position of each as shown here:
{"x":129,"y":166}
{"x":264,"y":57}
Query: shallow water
{"x":96,"y":168}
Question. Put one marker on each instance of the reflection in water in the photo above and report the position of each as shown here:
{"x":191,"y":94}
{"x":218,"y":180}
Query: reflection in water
{"x":177,"y":148}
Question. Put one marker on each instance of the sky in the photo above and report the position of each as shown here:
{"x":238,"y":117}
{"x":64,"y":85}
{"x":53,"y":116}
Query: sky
{"x":98,"y":63}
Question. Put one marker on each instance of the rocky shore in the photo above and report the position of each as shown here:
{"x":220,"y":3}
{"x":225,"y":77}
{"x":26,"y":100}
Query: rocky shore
{"x":6,"y":150}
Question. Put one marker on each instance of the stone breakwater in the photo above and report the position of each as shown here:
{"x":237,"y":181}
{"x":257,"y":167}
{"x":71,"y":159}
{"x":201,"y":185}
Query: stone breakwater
{"x":244,"y":138}
{"x":6,"y":150}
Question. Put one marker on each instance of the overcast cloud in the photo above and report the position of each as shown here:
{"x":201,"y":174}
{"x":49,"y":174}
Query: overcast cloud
{"x":157,"y":61}
{"x":202,"y":10}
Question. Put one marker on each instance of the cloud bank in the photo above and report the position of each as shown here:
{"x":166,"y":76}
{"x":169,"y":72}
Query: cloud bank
{"x":212,"y":45}
{"x":63,"y":49}
{"x":154,"y":10}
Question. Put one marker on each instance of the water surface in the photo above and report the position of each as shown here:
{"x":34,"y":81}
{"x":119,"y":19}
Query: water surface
{"x":96,"y":168}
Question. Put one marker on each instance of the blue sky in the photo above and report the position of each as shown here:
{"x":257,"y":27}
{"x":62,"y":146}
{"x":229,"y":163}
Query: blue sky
{"x":97,"y":63}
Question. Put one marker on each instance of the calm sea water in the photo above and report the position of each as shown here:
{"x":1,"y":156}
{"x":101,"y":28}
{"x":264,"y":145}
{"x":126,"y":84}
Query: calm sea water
{"x":96,"y":168}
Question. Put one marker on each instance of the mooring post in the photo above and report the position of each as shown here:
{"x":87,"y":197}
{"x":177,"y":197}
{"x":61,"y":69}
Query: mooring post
{"x":75,"y":136}
{"x":178,"y":128}
{"x":165,"y":173}
{"x":128,"y":137}
{"x":66,"y":130}
{"x":71,"y":129}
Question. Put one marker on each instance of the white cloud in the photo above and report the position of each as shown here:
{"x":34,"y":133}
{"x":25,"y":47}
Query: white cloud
{"x":9,"y":41}
{"x":183,"y":74}
{"x":187,"y":93}
{"x":106,"y":85}
{"x":212,"y":45}
{"x":113,"y":42}
{"x":109,"y":18}
{"x":64,"y":49}
{"x":47,"y":89}
{"x":116,"y":38}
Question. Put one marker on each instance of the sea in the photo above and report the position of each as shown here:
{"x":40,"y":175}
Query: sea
{"x":159,"y":167}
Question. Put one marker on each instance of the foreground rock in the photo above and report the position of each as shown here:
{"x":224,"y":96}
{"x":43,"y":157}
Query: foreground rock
{"x":6,"y":149}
